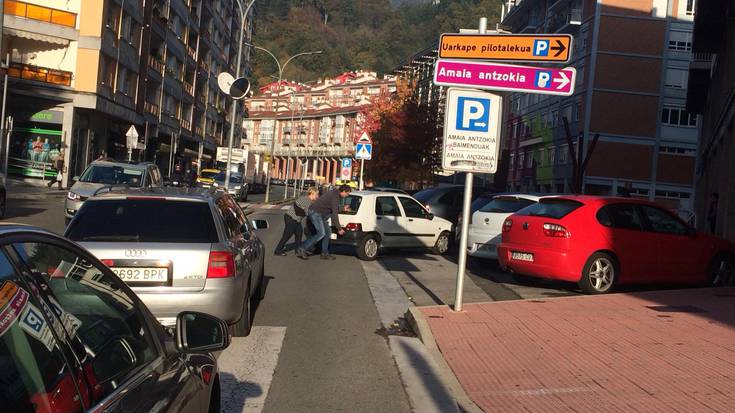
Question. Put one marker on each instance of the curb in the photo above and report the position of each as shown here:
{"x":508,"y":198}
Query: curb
{"x":420,"y":326}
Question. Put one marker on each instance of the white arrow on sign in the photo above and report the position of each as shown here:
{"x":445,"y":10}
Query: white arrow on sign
{"x":132,"y":132}
{"x":563,"y":81}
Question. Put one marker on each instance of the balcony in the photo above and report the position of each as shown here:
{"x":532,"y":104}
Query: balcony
{"x":189,"y":88}
{"x":198,"y":131}
{"x":566,"y":21}
{"x":40,"y":74}
{"x":702,"y":61}
{"x":40,"y":13}
{"x":191,"y":52}
{"x":151,"y":108}
{"x":186,"y":124}
{"x":155,"y":64}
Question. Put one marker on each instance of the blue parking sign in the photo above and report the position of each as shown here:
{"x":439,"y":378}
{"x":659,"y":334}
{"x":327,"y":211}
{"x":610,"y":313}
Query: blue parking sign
{"x":473,"y":114}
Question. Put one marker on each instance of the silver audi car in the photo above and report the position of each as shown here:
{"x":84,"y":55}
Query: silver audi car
{"x":179,"y":249}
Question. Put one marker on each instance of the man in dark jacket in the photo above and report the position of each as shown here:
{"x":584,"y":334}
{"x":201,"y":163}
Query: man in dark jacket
{"x":321,"y":210}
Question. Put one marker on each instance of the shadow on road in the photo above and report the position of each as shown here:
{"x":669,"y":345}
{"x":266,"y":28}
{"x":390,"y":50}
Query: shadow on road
{"x":441,"y":398}
{"x":235,"y":393}
{"x":17,"y":211}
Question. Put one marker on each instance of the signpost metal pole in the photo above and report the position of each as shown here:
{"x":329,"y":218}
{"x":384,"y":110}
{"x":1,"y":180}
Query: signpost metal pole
{"x":362,"y":169}
{"x":465,"y":219}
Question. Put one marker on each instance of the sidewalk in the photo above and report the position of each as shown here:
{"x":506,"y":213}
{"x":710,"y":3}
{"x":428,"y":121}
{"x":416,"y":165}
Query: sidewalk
{"x":17,"y":186}
{"x":652,"y":351}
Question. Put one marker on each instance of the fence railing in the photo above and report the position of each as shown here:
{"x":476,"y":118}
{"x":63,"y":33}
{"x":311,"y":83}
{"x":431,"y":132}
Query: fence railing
{"x":40,"y":74}
{"x":40,"y":13}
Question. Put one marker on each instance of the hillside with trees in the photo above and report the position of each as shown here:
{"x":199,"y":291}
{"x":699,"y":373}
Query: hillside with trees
{"x":355,"y":34}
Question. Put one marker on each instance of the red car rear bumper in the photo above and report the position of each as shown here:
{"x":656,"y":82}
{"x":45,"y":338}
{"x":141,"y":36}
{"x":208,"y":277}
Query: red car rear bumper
{"x":547,"y":263}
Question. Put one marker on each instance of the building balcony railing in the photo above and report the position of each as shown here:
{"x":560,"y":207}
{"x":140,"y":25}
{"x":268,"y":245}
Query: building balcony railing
{"x":40,"y":74}
{"x":40,"y":13}
{"x":191,"y":52}
{"x":702,"y":61}
{"x":198,"y":131}
{"x":155,"y":64}
{"x":204,"y":65}
{"x":151,"y":108}
{"x":186,"y":124}
{"x":188,"y":88}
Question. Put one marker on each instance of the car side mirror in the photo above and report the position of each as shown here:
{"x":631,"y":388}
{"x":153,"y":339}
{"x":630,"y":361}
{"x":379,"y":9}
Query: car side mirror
{"x":260,"y":224}
{"x":197,"y":332}
{"x":430,"y":216}
{"x":76,"y":178}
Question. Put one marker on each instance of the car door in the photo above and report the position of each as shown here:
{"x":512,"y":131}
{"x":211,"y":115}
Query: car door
{"x":634,"y":247}
{"x":234,"y":221}
{"x":387,"y":221}
{"x":120,"y":346}
{"x":683,"y":250}
{"x":418,"y":222}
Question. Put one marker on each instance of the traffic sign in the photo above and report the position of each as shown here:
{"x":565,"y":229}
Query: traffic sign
{"x":346,"y":173}
{"x":364,"y":151}
{"x":132,"y":137}
{"x":507,"y":47}
{"x":471,"y":131}
{"x":365,"y":138}
{"x":497,"y":76}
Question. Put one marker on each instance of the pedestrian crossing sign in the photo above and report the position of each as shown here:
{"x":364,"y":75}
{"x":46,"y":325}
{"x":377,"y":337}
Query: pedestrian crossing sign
{"x":364,"y":151}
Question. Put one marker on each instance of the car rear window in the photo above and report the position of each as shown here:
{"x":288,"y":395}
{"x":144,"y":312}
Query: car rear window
{"x":551,"y":208}
{"x":506,"y":204}
{"x":350,"y":205}
{"x":143,"y":220}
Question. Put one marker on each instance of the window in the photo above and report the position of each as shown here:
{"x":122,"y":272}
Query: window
{"x":677,"y":78}
{"x":350,"y":204}
{"x":512,"y":162}
{"x":691,"y":5}
{"x":112,"y":18}
{"x":676,"y":150}
{"x":231,"y":215}
{"x":387,"y":206}
{"x":108,"y":71}
{"x":413,"y":209}
{"x":677,"y":116}
{"x":128,"y":28}
{"x":551,"y":208}
{"x":506,"y":204}
{"x":622,"y":216}
{"x":33,"y":375}
{"x":144,"y":220}
{"x":680,"y":41}
{"x":664,"y":222}
{"x":93,"y":308}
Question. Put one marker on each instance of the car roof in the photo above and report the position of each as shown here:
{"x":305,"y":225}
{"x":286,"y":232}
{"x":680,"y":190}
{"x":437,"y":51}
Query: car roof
{"x":533,"y":197}
{"x":598,"y":199}
{"x":369,"y":193}
{"x":168,"y":193}
{"x":126,"y":164}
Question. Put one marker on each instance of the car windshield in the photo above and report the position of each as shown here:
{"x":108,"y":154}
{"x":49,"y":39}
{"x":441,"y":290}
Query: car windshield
{"x":551,"y":208}
{"x":208,"y":174}
{"x":506,"y":204}
{"x":480,"y":202}
{"x":424,"y":195}
{"x":235,"y":179}
{"x":143,"y":220}
{"x":350,"y":205}
{"x":113,"y":175}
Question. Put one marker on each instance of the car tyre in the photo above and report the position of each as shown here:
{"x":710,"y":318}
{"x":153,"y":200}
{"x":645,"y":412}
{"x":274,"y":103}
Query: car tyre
{"x":243,"y":326}
{"x":441,"y":246}
{"x":599,"y":274}
{"x":367,"y":248}
{"x":721,"y":272}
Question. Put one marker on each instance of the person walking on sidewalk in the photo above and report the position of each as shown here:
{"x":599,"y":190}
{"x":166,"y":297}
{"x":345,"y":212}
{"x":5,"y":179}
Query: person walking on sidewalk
{"x":293,"y":217}
{"x":321,"y":210}
{"x":59,"y":166}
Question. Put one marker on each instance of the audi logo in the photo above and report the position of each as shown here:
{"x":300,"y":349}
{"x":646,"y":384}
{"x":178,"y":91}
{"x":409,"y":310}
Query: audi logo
{"x":136,"y":253}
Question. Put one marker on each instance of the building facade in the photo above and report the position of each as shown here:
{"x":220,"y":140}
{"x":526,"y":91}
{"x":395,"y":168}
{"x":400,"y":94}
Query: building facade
{"x":632,"y":61}
{"x":83,"y":73}
{"x":315,"y":125}
{"x":712,"y":94}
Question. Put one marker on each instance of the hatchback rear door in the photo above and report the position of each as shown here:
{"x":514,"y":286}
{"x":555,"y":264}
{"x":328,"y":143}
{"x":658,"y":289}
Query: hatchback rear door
{"x":151,"y":243}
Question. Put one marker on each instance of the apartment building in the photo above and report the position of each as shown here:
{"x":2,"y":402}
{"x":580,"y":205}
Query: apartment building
{"x":316,"y":124}
{"x":94,"y":68}
{"x":632,"y":61}
{"x":711,"y":93}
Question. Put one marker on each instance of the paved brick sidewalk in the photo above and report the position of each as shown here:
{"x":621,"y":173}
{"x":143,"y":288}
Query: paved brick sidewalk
{"x":669,"y":351}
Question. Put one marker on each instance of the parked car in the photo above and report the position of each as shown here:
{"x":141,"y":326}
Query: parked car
{"x":309,"y":183}
{"x":105,"y":173}
{"x":278,"y":181}
{"x":206,"y":177}
{"x":486,"y":224}
{"x":445,"y":201}
{"x":238,"y":188}
{"x":75,"y":337}
{"x":256,"y":188}
{"x":178,"y":249}
{"x":601,"y":242}
{"x":374,"y":220}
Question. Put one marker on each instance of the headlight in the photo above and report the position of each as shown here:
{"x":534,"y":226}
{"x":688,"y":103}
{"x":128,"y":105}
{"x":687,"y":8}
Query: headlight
{"x":72,"y":196}
{"x":237,"y":187}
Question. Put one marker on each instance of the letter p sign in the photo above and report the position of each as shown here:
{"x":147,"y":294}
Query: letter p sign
{"x":541,"y":48}
{"x":473,"y":114}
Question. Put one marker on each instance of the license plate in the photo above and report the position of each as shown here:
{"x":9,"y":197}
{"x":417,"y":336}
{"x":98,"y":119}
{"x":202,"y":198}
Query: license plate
{"x":142,"y":274}
{"x":521,"y":256}
{"x":333,"y":236}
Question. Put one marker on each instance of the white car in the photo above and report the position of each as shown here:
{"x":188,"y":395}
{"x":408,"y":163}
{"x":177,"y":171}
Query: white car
{"x":486,"y":224}
{"x":373,"y":220}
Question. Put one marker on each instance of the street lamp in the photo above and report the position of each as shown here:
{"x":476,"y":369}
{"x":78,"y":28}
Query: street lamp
{"x":281,"y":68}
{"x":243,"y":21}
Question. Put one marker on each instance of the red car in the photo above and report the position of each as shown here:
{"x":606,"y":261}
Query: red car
{"x":600,"y":242}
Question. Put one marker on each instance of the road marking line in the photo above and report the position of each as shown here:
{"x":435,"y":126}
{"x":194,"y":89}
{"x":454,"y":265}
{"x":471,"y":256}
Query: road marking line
{"x":246,"y":369}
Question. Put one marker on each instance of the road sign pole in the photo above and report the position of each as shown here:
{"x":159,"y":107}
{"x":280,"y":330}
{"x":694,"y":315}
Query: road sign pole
{"x":462,"y":262}
{"x":362,"y":169}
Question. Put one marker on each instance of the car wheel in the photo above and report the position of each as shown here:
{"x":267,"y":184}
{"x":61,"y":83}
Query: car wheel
{"x":722,"y":271}
{"x":442,"y":244}
{"x":599,"y":274}
{"x":367,"y":248}
{"x":242,"y":327}
{"x":3,"y":204}
{"x":261,"y":286}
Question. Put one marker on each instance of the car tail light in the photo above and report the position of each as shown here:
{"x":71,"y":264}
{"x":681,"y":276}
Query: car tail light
{"x":221,"y":265}
{"x":507,"y":225}
{"x":353,"y":227}
{"x":109,"y":263}
{"x":556,"y":231}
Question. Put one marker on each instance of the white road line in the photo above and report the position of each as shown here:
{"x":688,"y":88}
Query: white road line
{"x":246,"y":369}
